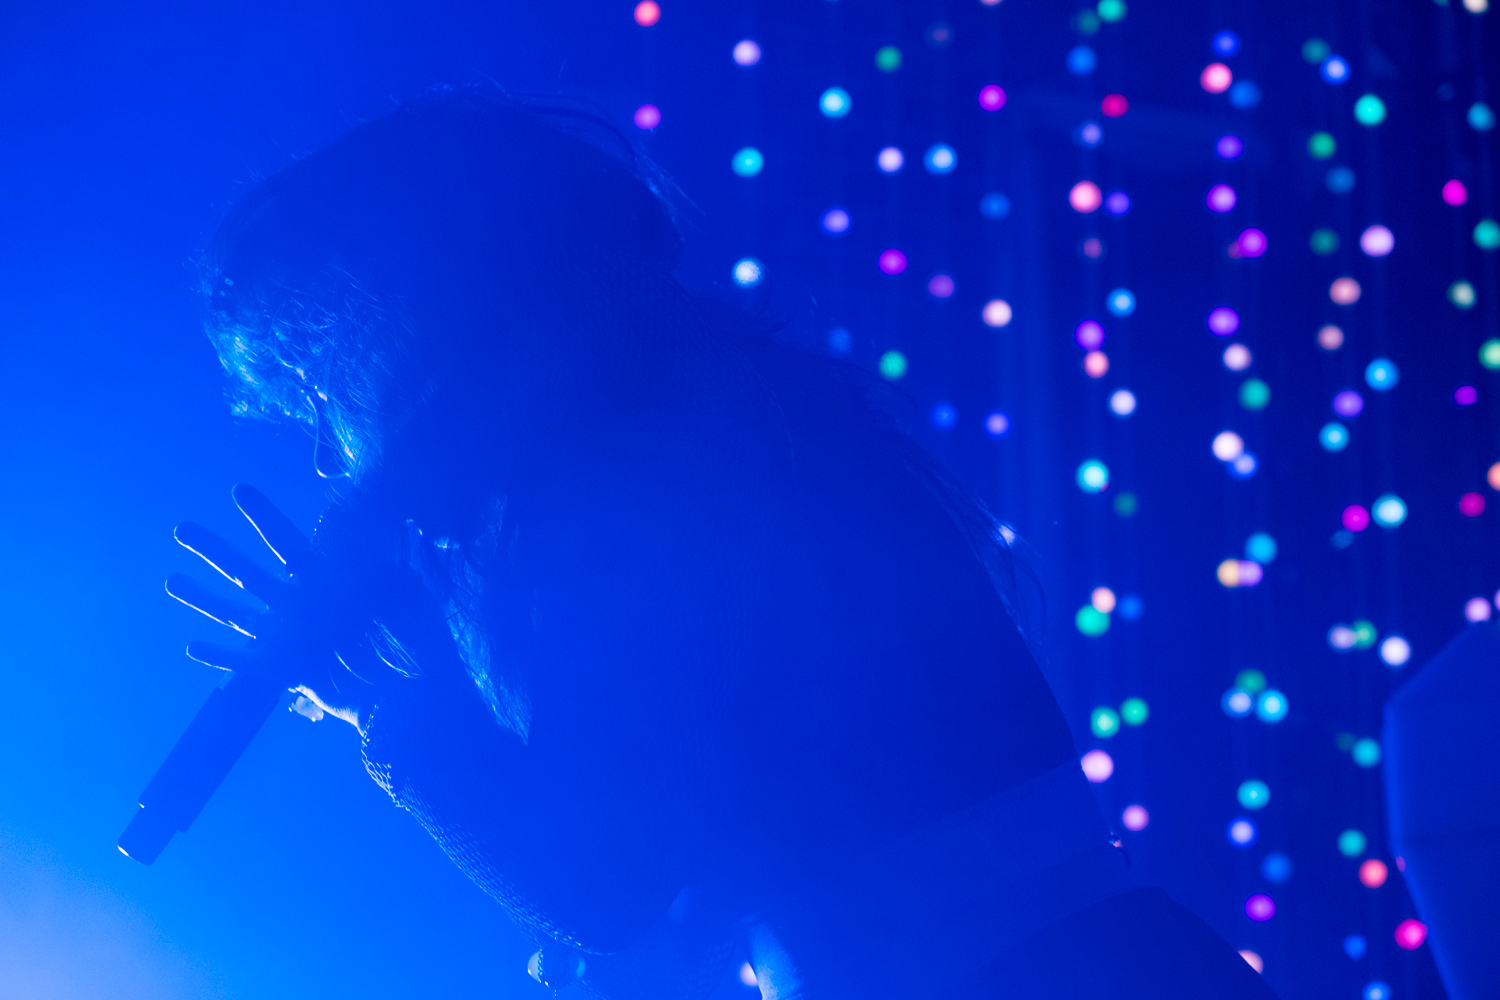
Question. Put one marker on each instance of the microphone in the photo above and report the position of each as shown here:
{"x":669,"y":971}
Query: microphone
{"x":197,"y":765}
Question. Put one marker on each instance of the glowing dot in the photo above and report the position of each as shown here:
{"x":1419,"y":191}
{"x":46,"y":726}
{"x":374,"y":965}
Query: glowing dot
{"x":1223,"y":321}
{"x":892,"y":261}
{"x":1134,"y":711}
{"x":1122,"y":402}
{"x":1117,"y":203}
{"x":1236,"y":357}
{"x":1236,"y":703}
{"x":1220,"y":198}
{"x":1097,"y":766}
{"x":1377,"y":241}
{"x":991,"y":97}
{"x":1369,"y":110}
{"x":1276,"y":868}
{"x":1241,"y":833}
{"x":1085,"y":197}
{"x":746,"y":52}
{"x":1492,"y":476}
{"x":834,"y":102}
{"x":1255,"y":394}
{"x":647,"y":117}
{"x":1243,"y":468}
{"x":939,"y":35}
{"x":1260,"y":908}
{"x":944,"y":416}
{"x":996,"y":424}
{"x":1364,"y":634}
{"x":1477,"y":609}
{"x":1339,"y":180}
{"x":747,"y":974}
{"x":1365,"y":752}
{"x":1226,"y":43}
{"x":940,"y":159}
{"x":1388,"y":510}
{"x":1250,"y":243}
{"x":1216,"y":78}
{"x":1253,"y":960}
{"x":890,"y":159}
{"x":940,"y":286}
{"x":1111,"y":10}
{"x":1481,"y":118}
{"x":1348,"y":403}
{"x":1476,"y":6}
{"x":1376,"y":990}
{"x":1330,"y":338}
{"x":996,"y":313}
{"x":1344,"y":291}
{"x":1461,"y":294}
{"x":1229,"y":572}
{"x":1333,"y":437}
{"x":1321,"y":145}
{"x":1126,"y":505}
{"x":1247,"y":572}
{"x":1090,"y":621}
{"x":1355,"y":518}
{"x":1271,"y":706}
{"x":1261,"y":547}
{"x":1254,"y":794}
{"x":893,"y":365}
{"x":888,"y":59}
{"x":1250,"y":680}
{"x":1489,"y":354}
{"x":1334,"y":70}
{"x":1089,"y":335}
{"x":1092,"y":476}
{"x":1131,"y":607}
{"x":1355,"y":946}
{"x":1382,"y":374}
{"x":1471,"y":505}
{"x":1395,"y":651}
{"x":1102,"y":599}
{"x":1135,"y":818}
{"x":1454,"y":192}
{"x":748,"y":272}
{"x":1120,"y":302}
{"x":1104,"y":723}
{"x":1228,"y":446}
{"x":1089,"y":134}
{"x":1314,"y":51}
{"x":1323,"y":242}
{"x":1341,"y":637}
{"x":1487,"y":234}
{"x":994,"y":205}
{"x":1410,"y":934}
{"x":1082,"y":61}
{"x":1095,"y":364}
{"x":748,"y":162}
{"x":1114,"y":106}
{"x":1229,"y":147}
{"x":647,"y":13}
{"x":835,"y":221}
{"x":1351,"y":843}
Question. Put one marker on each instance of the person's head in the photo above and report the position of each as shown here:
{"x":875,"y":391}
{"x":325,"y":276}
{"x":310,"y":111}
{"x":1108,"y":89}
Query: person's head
{"x":466,"y":252}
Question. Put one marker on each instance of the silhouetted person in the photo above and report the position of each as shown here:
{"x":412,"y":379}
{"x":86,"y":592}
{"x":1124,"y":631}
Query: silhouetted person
{"x":677,"y":647}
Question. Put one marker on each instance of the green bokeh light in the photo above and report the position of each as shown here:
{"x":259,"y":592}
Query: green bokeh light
{"x":1250,"y":680}
{"x":1255,"y":394}
{"x":1134,"y":711}
{"x":1369,"y":110}
{"x":1462,"y":294}
{"x":893,"y":365}
{"x":888,"y":59}
{"x":1086,"y":22}
{"x":1366,"y":752}
{"x":1091,"y":621}
{"x":1254,"y":794}
{"x":1315,"y":50}
{"x":1126,"y":504}
{"x":1364,"y":634}
{"x":1321,"y":145}
{"x":1489,"y":354}
{"x":1323,"y":241}
{"x":1111,"y":10}
{"x":1103,"y":722}
{"x":1352,"y":843}
{"x":1487,"y":234}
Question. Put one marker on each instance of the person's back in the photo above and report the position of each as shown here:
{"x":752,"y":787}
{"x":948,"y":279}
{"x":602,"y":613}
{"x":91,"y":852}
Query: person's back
{"x":677,"y":647}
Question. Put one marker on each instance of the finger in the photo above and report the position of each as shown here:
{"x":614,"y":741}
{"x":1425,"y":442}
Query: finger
{"x":237,"y":567}
{"x":196,"y":596}
{"x":223,"y":657}
{"x":276,"y":529}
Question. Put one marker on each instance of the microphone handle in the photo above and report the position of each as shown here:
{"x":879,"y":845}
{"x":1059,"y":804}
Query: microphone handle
{"x":193,"y":771}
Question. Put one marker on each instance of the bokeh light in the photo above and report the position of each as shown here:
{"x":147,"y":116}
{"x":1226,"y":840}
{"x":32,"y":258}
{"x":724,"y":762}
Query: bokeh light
{"x":1481,"y":117}
{"x":1227,"y":446}
{"x":1355,"y":518}
{"x":893,"y":365}
{"x":1082,"y":61}
{"x":1364,"y":634}
{"x":1321,"y":145}
{"x":1117,"y":203}
{"x":1085,"y":197}
{"x":1341,"y":637}
{"x":1097,"y":766}
{"x":940,"y":286}
{"x":1250,"y":243}
{"x":1271,"y":706}
{"x":835,"y":102}
{"x":996,"y":313}
{"x":748,"y":272}
{"x":1251,"y":680}
{"x":1462,"y":294}
{"x":1089,"y":335}
{"x":1261,"y":547}
{"x":1095,"y":364}
{"x":1243,"y":467}
{"x":891,"y":261}
{"x":1339,"y":180}
{"x":1487,"y":234}
{"x":746,"y":52}
{"x":1127,"y":505}
{"x":1114,"y":106}
{"x":1090,"y":621}
{"x":940,"y":159}
{"x":1351,"y":843}
{"x":835,"y":221}
{"x":1254,"y":794}
{"x":1377,"y":241}
{"x":1492,"y":476}
{"x":1376,"y":990}
{"x":1260,"y":908}
{"x":1477,"y":609}
{"x":1382,"y":374}
{"x":1454,"y":192}
{"x":1344,"y":291}
{"x":996,"y":424}
{"x":1133,"y":711}
{"x":1223,"y":321}
{"x":1111,"y":10}
{"x":1092,"y":476}
{"x":1229,"y":147}
{"x":994,"y":205}
{"x":1373,"y":873}
{"x":1255,"y":394}
{"x":1241,"y":832}
{"x":1395,"y":651}
{"x":1471,"y":505}
{"x":748,"y":162}
{"x":646,"y":117}
{"x":1122,"y":402}
{"x":1216,"y":78}
{"x":647,"y":13}
{"x":1410,"y":934}
{"x":1103,"y":599}
{"x":888,"y":59}
{"x":1226,"y":43}
{"x":1276,"y":868}
{"x":1323,"y":242}
{"x":1120,"y":302}
{"x":1489,"y":354}
{"x":991,"y":97}
{"x":1135,"y":818}
{"x":1104,"y":722}
{"x":1330,"y":337}
{"x":1369,"y":110}
{"x":1237,"y":357}
{"x":747,"y":975}
{"x":1348,"y":404}
{"x":1237,"y":703}
{"x":1365,"y":752}
{"x":1220,"y":198}
{"x":1388,"y":510}
{"x":1355,"y":946}
{"x":943,"y":416}
{"x":1131,"y":606}
{"x":1334,"y":70}
{"x":890,"y":160}
{"x":1314,"y":51}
